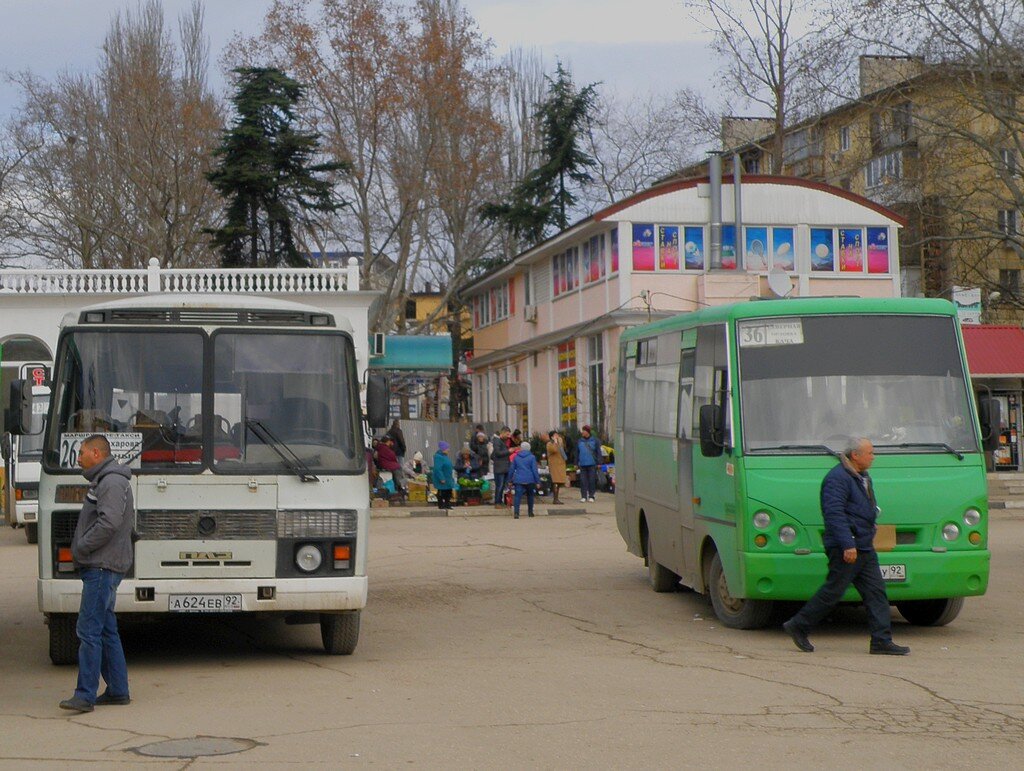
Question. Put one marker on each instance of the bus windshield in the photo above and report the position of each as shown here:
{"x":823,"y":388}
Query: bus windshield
{"x":821,"y":380}
{"x":144,"y":390}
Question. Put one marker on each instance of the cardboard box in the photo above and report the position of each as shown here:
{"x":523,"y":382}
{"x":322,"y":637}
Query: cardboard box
{"x":418,"y":492}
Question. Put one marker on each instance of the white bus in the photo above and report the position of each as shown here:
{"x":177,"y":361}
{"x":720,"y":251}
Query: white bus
{"x":21,"y":455}
{"x":240,"y":418}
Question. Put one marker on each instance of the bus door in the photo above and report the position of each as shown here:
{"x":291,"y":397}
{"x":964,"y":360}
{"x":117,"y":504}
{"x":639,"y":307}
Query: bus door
{"x":684,"y":455}
{"x":714,"y":483}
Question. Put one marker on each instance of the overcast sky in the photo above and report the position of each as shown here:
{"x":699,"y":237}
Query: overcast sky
{"x":644,"y":46}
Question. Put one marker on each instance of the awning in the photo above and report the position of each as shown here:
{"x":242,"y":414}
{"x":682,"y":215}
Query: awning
{"x":994,"y":350}
{"x":415,"y":353}
{"x":513,"y":393}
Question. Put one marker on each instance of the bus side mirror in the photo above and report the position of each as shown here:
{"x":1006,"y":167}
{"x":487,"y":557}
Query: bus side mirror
{"x":19,"y":410}
{"x":711,"y":444}
{"x":377,"y":400}
{"x":5,"y":446}
{"x":989,"y":418}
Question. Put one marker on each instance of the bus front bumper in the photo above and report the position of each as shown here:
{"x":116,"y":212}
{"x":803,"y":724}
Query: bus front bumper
{"x":245,"y":595}
{"x":928,"y":575}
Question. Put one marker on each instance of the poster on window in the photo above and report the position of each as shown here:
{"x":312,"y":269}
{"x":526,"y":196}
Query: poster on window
{"x":851,"y":250}
{"x":693,"y":248}
{"x":615,"y":250}
{"x":643,"y":247}
{"x":878,"y":250}
{"x":668,"y":254}
{"x":596,"y":271}
{"x":822,"y":249}
{"x":728,"y":247}
{"x":567,"y":382}
{"x":783,"y":252}
{"x":756,"y":252}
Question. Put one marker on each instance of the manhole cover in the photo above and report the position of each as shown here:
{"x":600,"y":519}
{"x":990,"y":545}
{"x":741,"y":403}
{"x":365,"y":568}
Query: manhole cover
{"x":195,"y":747}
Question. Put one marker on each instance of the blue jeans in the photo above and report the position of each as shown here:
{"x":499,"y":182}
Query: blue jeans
{"x":529,"y":491}
{"x":866,"y":577}
{"x":99,"y":650}
{"x":588,"y":481}
{"x":500,"y":479}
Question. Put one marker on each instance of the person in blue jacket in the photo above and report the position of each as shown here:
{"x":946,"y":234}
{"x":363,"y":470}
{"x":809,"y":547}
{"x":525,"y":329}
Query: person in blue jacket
{"x":588,"y":456}
{"x":849,"y":509}
{"x":526,"y":477}
{"x":443,"y":476}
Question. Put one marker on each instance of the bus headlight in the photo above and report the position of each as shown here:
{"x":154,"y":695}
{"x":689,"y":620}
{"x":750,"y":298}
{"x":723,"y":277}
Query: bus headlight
{"x":950,"y":532}
{"x":762,"y":519}
{"x":972,"y":517}
{"x":787,"y":534}
{"x":308,"y":558}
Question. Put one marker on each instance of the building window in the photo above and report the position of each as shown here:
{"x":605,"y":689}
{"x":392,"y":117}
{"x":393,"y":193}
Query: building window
{"x":565,"y":274}
{"x":883,"y":169}
{"x":594,"y":265}
{"x":844,"y":139}
{"x":410,"y":310}
{"x":595,"y":372}
{"x":1009,"y":282}
{"x":1008,"y":161}
{"x":528,"y":287}
{"x":491,"y":306}
{"x":1006,"y":221}
{"x":752,"y":164}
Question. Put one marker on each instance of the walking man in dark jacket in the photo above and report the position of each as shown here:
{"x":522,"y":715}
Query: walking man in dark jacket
{"x":849,"y":509}
{"x":103,"y":551}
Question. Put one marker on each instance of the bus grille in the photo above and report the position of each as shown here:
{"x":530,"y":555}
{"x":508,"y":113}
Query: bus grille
{"x":212,"y":525}
{"x":316,"y":524}
{"x":63,"y":526}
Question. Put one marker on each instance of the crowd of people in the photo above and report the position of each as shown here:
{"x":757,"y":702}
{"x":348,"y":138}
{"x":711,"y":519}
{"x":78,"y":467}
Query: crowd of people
{"x":505,"y":455}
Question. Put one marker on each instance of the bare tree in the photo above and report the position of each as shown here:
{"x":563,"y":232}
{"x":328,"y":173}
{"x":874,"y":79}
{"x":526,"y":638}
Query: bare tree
{"x":775,"y":60}
{"x":636,"y":142}
{"x":113,"y":164}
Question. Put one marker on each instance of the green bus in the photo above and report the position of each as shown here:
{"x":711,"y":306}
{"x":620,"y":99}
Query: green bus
{"x":730,"y":417}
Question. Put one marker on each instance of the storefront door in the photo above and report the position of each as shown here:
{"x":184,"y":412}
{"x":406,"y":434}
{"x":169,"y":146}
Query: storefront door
{"x":1007,"y":456}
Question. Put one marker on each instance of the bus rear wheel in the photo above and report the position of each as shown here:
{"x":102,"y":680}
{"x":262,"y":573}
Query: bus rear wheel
{"x":734,"y":612}
{"x":662,"y":579}
{"x":63,"y":638}
{"x":32,"y":532}
{"x":340,"y":632}
{"x":930,"y":612}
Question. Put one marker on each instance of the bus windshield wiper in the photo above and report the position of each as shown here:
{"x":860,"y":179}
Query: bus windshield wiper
{"x":937,"y":445}
{"x":821,"y":448}
{"x":294,"y":463}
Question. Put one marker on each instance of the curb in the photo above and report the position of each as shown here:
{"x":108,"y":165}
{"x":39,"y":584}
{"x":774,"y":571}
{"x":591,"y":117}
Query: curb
{"x":399,"y":512}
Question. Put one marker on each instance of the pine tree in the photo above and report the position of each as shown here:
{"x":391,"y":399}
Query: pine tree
{"x":544,"y":198}
{"x":265,"y":173}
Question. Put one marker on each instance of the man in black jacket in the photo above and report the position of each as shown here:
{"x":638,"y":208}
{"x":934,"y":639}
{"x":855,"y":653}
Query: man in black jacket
{"x":103,"y":552}
{"x":849,"y":509}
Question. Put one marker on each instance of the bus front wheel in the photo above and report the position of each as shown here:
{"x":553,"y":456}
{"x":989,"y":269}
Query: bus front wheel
{"x":340,"y":632}
{"x":63,"y":638}
{"x":662,"y":579}
{"x":930,"y":612}
{"x":734,"y":612}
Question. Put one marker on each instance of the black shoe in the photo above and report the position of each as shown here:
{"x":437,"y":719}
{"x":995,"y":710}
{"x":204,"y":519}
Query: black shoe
{"x":106,"y":698}
{"x":515,"y":516}
{"x":889,"y":648}
{"x":76,"y":704}
{"x":799,"y":636}
{"x":530,"y":514}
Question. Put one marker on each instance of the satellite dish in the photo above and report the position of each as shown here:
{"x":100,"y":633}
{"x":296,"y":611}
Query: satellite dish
{"x":779,"y":283}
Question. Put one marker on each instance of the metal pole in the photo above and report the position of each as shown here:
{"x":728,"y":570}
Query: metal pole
{"x":715,"y":180}
{"x":736,"y":197}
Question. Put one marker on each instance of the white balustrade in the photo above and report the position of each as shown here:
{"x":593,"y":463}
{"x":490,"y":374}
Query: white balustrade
{"x":181,"y":280}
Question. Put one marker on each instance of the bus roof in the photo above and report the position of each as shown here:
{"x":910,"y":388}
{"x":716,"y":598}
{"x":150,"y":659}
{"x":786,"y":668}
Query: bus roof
{"x":797,"y":306}
{"x":219,"y":301}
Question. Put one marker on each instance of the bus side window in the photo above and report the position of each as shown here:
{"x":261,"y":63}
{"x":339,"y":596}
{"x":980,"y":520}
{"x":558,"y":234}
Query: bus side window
{"x":686,"y":367}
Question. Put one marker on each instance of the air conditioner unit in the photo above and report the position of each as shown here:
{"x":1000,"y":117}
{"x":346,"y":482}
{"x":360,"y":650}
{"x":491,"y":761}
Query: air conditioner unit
{"x":530,"y":313}
{"x":377,"y":344}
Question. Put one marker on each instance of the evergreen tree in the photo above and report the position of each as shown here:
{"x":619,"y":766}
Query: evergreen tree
{"x":265,"y":175}
{"x":544,"y":197}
